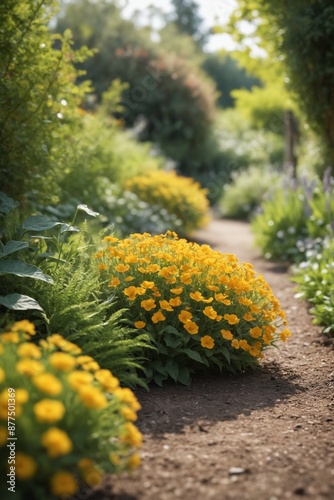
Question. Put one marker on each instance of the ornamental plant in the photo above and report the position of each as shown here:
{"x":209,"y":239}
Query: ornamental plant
{"x":179,"y":195}
{"x":201,"y":309}
{"x":71,"y":420}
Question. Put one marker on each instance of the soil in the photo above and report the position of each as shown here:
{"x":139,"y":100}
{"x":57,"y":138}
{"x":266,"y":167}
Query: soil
{"x":264,"y":435}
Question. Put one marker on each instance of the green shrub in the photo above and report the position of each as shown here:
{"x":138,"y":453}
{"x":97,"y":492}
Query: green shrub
{"x":63,"y":420}
{"x":295,"y":213}
{"x":201,"y":309}
{"x":181,"y":196}
{"x":246,"y":192}
{"x":315,"y":278}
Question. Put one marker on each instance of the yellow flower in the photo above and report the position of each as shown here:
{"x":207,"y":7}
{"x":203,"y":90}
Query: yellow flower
{"x":107,"y":380}
{"x":3,"y":435}
{"x":184,"y":316}
{"x":63,"y":483}
{"x":164,"y":304}
{"x":177,"y":291}
{"x":220,"y":297}
{"x":49,"y":410}
{"x":129,"y":278}
{"x":129,"y":414}
{"x":214,"y":288}
{"x":114,"y":282}
{"x":196,"y":296}
{"x":226,"y":334}
{"x":140,"y":324}
{"x":207,"y":342}
{"x":210,"y":312}
{"x":255,"y":332}
{"x":244,"y":301}
{"x":131,"y":435}
{"x":176,"y":302}
{"x":186,"y":278}
{"x":48,"y":383}
{"x":158,"y":316}
{"x":121,"y":268}
{"x":84,"y":359}
{"x":248,"y":317}
{"x":29,"y":367}
{"x":148,"y":284}
{"x":29,"y":349}
{"x":131,"y":292}
{"x":25,"y":466}
{"x":78,"y":379}
{"x":148,"y":304}
{"x":102,"y":267}
{"x":62,"y":361}
{"x":110,"y":239}
{"x":127,"y":396}
{"x":244,"y":345}
{"x":92,"y":397}
{"x":235,"y":343}
{"x":11,"y":337}
{"x":24,"y":326}
{"x":2,"y":375}
{"x":153,"y":268}
{"x":232,"y":319}
{"x":285,"y":334}
{"x":134,"y":461}
{"x":191,"y":327}
{"x":56,"y":442}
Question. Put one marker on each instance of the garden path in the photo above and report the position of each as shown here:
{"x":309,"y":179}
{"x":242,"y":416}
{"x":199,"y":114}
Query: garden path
{"x":257,"y":436}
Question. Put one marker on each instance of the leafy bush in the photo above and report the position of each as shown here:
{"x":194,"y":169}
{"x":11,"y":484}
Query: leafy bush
{"x":295,"y":213}
{"x":201,"y":309}
{"x":315,"y":278}
{"x":55,"y":283}
{"x":246,"y":192}
{"x":180,"y":196}
{"x":72,"y":419}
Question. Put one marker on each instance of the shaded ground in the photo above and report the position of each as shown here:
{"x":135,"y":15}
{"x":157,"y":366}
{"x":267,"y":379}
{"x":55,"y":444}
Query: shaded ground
{"x":267,"y":435}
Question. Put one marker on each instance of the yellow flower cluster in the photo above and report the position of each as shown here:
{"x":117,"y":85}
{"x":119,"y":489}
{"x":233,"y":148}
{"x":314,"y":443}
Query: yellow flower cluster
{"x":179,"y":195}
{"x":219,"y":301}
{"x":63,"y":395}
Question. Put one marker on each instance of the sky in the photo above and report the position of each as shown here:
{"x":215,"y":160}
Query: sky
{"x":212,"y":11}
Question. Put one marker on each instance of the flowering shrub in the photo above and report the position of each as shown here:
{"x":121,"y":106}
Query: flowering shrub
{"x":295,"y":213}
{"x":199,"y":307}
{"x":71,"y":419}
{"x":315,"y":278}
{"x":179,"y":195}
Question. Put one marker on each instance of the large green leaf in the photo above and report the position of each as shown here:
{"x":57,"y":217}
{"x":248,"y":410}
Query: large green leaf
{"x":39,"y":223}
{"x":12,"y":246}
{"x":195,"y":356}
{"x":7,"y":204}
{"x":24,"y":270}
{"x":18,"y":302}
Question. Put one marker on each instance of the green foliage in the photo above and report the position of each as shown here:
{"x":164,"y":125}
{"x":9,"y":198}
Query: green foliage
{"x":201,"y":309}
{"x":246,"y":192}
{"x":187,"y":20}
{"x":38,"y":97}
{"x":298,"y":35}
{"x":228,"y":75}
{"x":71,"y":420}
{"x":295,"y":213}
{"x":315,"y":278}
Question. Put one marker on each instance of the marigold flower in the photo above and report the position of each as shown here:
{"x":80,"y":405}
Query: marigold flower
{"x":248,"y":317}
{"x":226,"y":334}
{"x":148,"y":304}
{"x":11,"y":337}
{"x":186,"y":278}
{"x":207,"y":342}
{"x":102,"y":267}
{"x":63,"y":483}
{"x":140,"y":324}
{"x":244,"y":301}
{"x":177,"y":291}
{"x":235,"y":343}
{"x":78,"y":379}
{"x":158,"y":316}
{"x":191,"y":327}
{"x":48,"y":383}
{"x":128,"y":414}
{"x":107,"y":380}
{"x":210,"y":312}
{"x":62,"y":361}
{"x":110,"y":239}
{"x":29,"y":367}
{"x":114,"y":282}
{"x":24,"y":326}
{"x":232,"y":319}
{"x":122,"y":268}
{"x":285,"y":334}
{"x":134,"y":461}
{"x":244,"y":345}
{"x":131,"y":435}
{"x":255,"y":332}
{"x":127,"y":396}
{"x":49,"y":410}
{"x":56,"y":442}
{"x":131,"y":292}
{"x":185,"y":316}
{"x":28,"y":349}
{"x":164,"y":304}
{"x":129,"y":278}
{"x":148,"y":284}
{"x":92,"y":397}
{"x":25,"y":466}
{"x":176,"y":302}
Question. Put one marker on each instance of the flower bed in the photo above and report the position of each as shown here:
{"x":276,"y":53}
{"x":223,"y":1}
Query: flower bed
{"x":201,"y":308}
{"x":66,"y":420}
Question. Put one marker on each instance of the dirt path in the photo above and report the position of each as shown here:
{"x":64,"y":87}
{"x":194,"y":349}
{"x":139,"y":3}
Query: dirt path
{"x":259,"y":436}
